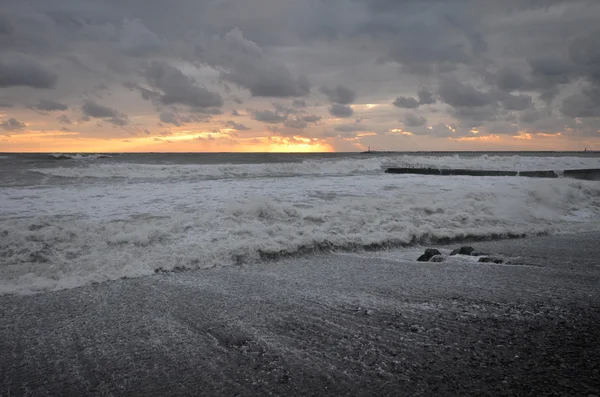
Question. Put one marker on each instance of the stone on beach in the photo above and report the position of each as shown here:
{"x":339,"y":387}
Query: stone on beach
{"x":463,"y":251}
{"x":429,"y":253}
{"x":490,"y":260}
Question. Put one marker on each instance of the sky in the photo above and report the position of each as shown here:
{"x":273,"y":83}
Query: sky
{"x":290,"y":75}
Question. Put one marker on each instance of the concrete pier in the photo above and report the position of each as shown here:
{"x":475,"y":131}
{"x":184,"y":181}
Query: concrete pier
{"x":591,"y":174}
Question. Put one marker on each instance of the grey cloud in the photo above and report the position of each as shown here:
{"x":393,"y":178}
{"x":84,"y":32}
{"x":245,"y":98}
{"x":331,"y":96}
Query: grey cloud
{"x":553,"y":67}
{"x":406,"y":103}
{"x":353,"y":127}
{"x":92,"y":109}
{"x":339,"y":94}
{"x":170,"y":118}
{"x":268,"y":116}
{"x":64,"y":119}
{"x":341,"y":110}
{"x":530,"y":116}
{"x":413,"y":120}
{"x":235,"y":113}
{"x":12,"y":125}
{"x":426,"y":97}
{"x":244,"y":63}
{"x":138,"y":40}
{"x":580,"y":105}
{"x":211,"y":110}
{"x":502,"y":128}
{"x":6,"y":27}
{"x":458,"y":94}
{"x":515,"y":102}
{"x":46,"y":105}
{"x":178,"y":88}
{"x":22,"y":70}
{"x":585,"y":53}
{"x":311,"y":118}
{"x":475,"y":116}
{"x":296,"y":123}
{"x":299,"y":103}
{"x":236,"y":126}
{"x":508,"y":79}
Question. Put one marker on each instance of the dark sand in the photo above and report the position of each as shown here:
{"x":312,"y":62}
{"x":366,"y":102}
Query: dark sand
{"x":339,"y":324}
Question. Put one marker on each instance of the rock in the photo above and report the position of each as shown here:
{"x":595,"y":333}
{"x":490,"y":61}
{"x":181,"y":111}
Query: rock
{"x":462,"y":251}
{"x":437,"y":258}
{"x":477,"y":253}
{"x":429,"y":253}
{"x":490,"y":260}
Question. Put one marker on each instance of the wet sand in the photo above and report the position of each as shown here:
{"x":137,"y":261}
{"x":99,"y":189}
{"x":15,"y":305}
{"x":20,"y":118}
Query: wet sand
{"x":371,"y":323}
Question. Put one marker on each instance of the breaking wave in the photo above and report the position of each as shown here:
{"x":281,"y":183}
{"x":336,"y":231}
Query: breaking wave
{"x":334,"y":167}
{"x":63,"y":251}
{"x":75,"y":156}
{"x":217,"y":171}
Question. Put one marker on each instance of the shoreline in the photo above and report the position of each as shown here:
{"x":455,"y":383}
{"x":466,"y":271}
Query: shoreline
{"x":354,"y":323}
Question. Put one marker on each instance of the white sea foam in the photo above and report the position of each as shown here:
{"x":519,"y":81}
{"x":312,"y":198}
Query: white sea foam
{"x":346,"y":166}
{"x":217,"y":171}
{"x":93,"y":233}
{"x":494,"y":162}
{"x":75,"y":156}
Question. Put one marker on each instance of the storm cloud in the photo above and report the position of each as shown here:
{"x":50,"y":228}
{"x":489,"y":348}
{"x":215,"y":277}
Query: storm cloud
{"x":22,"y":70}
{"x":500,"y":67}
{"x":95,"y":110}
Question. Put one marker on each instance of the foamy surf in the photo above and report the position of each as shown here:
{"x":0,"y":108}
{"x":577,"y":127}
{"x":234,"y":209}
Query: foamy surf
{"x":96,"y":233}
{"x":312,"y":167}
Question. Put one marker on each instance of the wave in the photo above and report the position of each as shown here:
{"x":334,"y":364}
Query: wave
{"x":217,"y":171}
{"x":75,"y":156}
{"x":55,"y":252}
{"x":492,"y":162}
{"x":328,"y":167}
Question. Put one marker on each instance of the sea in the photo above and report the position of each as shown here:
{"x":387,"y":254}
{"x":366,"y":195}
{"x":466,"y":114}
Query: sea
{"x":69,"y":220}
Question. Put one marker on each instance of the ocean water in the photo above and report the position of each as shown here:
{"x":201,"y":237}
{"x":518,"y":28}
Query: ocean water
{"x":70,"y":220}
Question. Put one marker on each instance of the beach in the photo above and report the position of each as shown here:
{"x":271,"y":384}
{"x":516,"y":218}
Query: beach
{"x":345,"y":323}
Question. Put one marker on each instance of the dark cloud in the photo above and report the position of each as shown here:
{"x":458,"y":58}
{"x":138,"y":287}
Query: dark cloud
{"x":12,"y":125}
{"x":311,"y":118}
{"x":170,"y":118}
{"x":414,"y":120}
{"x":426,"y":97}
{"x":343,"y":111}
{"x":22,"y":70}
{"x":406,"y":103}
{"x":475,"y":116}
{"x":236,"y":126}
{"x":268,"y":116}
{"x":584,"y":51}
{"x":515,"y":102}
{"x":296,"y":123}
{"x":6,"y":27}
{"x":352,"y":127}
{"x":580,"y":105}
{"x":244,"y":63}
{"x":339,"y":94}
{"x":299,"y":103}
{"x":488,"y":63}
{"x":177,"y":88}
{"x":458,"y":94}
{"x":64,"y":119}
{"x":508,"y":79}
{"x":137,"y":40}
{"x":94,"y":110}
{"x":46,"y":105}
{"x":530,"y":116}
